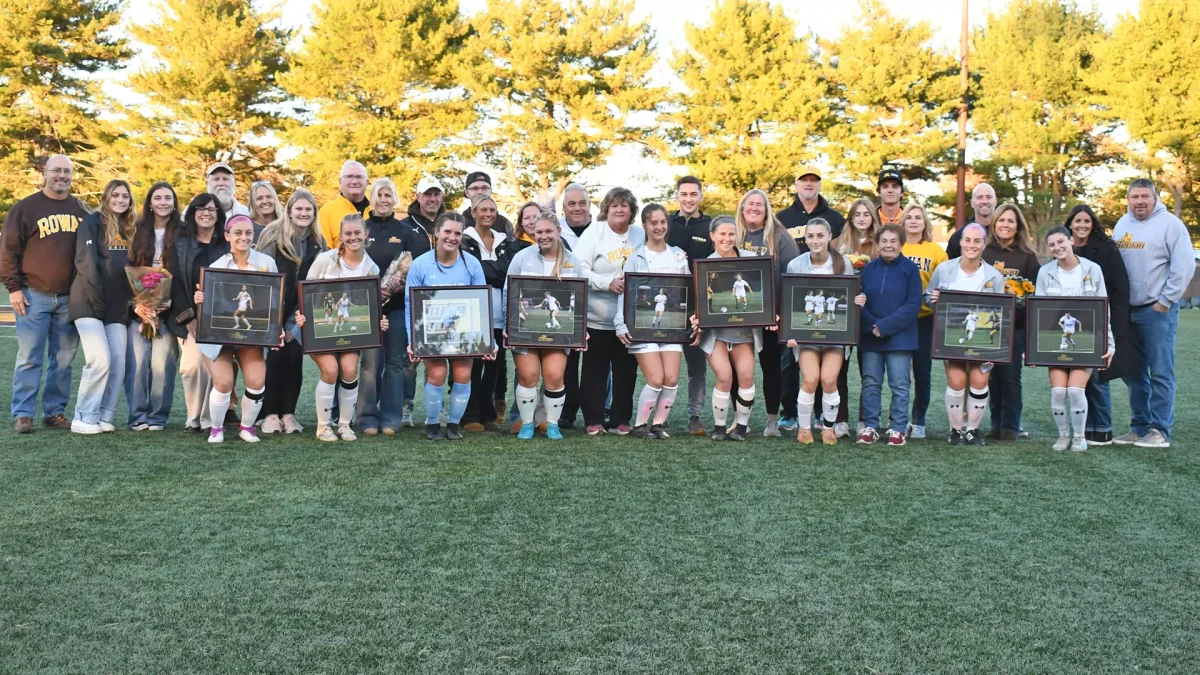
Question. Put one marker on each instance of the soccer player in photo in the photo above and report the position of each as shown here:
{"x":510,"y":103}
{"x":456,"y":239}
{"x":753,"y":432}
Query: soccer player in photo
{"x":330,"y":304}
{"x":1069,"y":325}
{"x":831,"y":308}
{"x":660,"y":306}
{"x":809,"y":298}
{"x":969,"y":323}
{"x":343,"y":312}
{"x":994,"y":324}
{"x":819,"y":306}
{"x":550,"y":303}
{"x":740,"y":288}
{"x":244,"y":303}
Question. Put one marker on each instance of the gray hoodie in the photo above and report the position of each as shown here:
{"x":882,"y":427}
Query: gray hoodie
{"x":1158,"y":256}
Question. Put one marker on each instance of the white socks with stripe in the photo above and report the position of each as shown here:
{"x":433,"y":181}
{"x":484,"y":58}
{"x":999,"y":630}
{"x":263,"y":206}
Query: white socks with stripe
{"x":954,"y":407}
{"x":526,"y":403}
{"x":720,"y":408}
{"x":978,"y":406}
{"x":645,"y":404}
{"x":347,"y":400}
{"x":555,"y":400}
{"x":804,"y":407}
{"x":252,"y":402}
{"x":745,"y":403}
{"x":830,"y":402}
{"x":324,"y":401}
{"x":665,"y":400}
{"x":1077,"y":399}
{"x":1058,"y":406}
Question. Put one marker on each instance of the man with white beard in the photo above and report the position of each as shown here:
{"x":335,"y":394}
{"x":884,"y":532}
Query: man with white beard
{"x":221,"y":183}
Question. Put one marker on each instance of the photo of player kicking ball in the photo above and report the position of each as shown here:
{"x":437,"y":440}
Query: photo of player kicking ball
{"x":740,"y":290}
{"x":1069,"y":325}
{"x":244,"y":303}
{"x":550,"y":304}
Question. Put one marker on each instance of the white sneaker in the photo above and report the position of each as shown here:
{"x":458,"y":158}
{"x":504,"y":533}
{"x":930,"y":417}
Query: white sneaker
{"x":916,"y":431}
{"x":248,"y":434}
{"x":81,"y":427}
{"x":216,"y":435}
{"x":346,"y":433}
{"x":107,"y":427}
{"x":1153,"y":439}
{"x":1078,"y":444}
{"x":324,"y":433}
{"x":155,"y":427}
{"x":1061,"y":444}
{"x":291,"y":426}
{"x":772,"y":429}
{"x":272,"y":425}
{"x":842,"y":430}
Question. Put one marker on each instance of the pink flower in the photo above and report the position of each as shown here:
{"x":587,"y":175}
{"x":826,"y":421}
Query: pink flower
{"x":151,"y":280}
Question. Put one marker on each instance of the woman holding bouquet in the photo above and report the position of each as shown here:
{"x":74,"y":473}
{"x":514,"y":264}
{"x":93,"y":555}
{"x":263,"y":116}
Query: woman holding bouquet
{"x":920,"y":248}
{"x":445,"y":265}
{"x":218,"y":359}
{"x":549,"y":257}
{"x":100,"y":306}
{"x":150,"y":374}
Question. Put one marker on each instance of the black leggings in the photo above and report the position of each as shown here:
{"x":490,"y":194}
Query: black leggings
{"x":285,"y":377}
{"x":481,"y":407}
{"x":605,"y":351}
{"x":772,"y":370}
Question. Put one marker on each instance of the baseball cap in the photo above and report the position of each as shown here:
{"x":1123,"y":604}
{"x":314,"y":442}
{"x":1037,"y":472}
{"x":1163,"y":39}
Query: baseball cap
{"x":808,"y":170}
{"x":476,"y":176}
{"x":219,"y":166}
{"x":428,"y":183}
{"x":890,"y":173}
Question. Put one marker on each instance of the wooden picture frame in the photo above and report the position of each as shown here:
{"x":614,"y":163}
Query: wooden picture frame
{"x":529,"y":321}
{"x":959,"y":337}
{"x":1048,"y":343}
{"x":451,"y":322}
{"x":720,"y":305}
{"x":227,"y":317}
{"x":330,"y":326}
{"x":651,"y":321}
{"x":819,"y":309}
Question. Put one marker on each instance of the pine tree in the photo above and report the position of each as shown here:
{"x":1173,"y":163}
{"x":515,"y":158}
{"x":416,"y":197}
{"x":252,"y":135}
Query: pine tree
{"x":754,"y":101}
{"x":1033,"y":106}
{"x":210,"y":93}
{"x":897,"y":96}
{"x":377,"y":77}
{"x":1147,"y":77}
{"x":560,"y":84}
{"x":50,"y":54}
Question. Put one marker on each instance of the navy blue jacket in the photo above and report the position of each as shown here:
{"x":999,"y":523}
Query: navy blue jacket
{"x":893,"y":291}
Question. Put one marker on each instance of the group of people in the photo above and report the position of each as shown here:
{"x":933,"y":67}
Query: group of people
{"x":64,"y":267}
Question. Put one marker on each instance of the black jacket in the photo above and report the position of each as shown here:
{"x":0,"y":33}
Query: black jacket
{"x":1013,"y":262}
{"x":691,"y":235}
{"x":794,"y":218}
{"x":292,"y":272}
{"x":503,"y":224}
{"x":387,"y":238}
{"x":100,"y":289}
{"x":1102,"y":251}
{"x":422,"y":230}
{"x":495,"y":271}
{"x":182,"y":267}
{"x":954,"y":244}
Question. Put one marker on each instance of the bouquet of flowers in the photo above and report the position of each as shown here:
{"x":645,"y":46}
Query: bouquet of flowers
{"x":151,"y":288}
{"x":858,"y":261}
{"x":1020,"y":287}
{"x":392,"y":281}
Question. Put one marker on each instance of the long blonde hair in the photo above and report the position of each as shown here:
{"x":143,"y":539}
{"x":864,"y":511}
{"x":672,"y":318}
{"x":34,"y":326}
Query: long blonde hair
{"x":848,"y":242}
{"x":284,"y":233}
{"x":927,"y":235}
{"x":274,"y":197}
{"x":1021,"y":238}
{"x":771,"y":224}
{"x":118,"y":227}
{"x":561,"y":254}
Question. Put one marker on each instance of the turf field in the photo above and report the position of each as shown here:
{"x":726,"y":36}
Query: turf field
{"x":155,"y":552}
{"x":672,"y":317}
{"x":1051,"y":341}
{"x":536,"y":320}
{"x":721,"y":299}
{"x":359,"y":318}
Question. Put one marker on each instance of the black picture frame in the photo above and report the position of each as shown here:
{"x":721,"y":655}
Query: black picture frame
{"x":524,"y":324}
{"x":1044,"y":336}
{"x":956,"y":339}
{"x":642,"y":290}
{"x":715,"y":304}
{"x":799,"y":319}
{"x":323,"y":330}
{"x":219,"y":318}
{"x":468,"y":309}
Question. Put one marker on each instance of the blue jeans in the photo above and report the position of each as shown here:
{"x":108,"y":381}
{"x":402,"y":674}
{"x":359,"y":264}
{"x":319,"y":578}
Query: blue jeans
{"x":398,"y":385}
{"x":1099,"y":400}
{"x":922,"y":367}
{"x":1152,"y":390}
{"x":1005,"y":388}
{"x":897,"y":365}
{"x":150,"y":376}
{"x":103,"y":369}
{"x":43,"y":333}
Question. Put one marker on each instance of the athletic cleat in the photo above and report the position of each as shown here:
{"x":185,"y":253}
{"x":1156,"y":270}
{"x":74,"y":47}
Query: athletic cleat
{"x":641,"y":431}
{"x":453,"y":433}
{"x":1078,"y":444}
{"x":828,"y":435}
{"x":956,"y":437}
{"x":718,"y":434}
{"x":346,"y":433}
{"x":526,"y":432}
{"x":973,"y":437}
{"x":553,"y":432}
{"x":324,"y":433}
{"x":658,"y":431}
{"x":739,"y":433}
{"x":248,"y":434}
{"x":216,"y":435}
{"x":804,"y":436}
{"x":1061,"y":444}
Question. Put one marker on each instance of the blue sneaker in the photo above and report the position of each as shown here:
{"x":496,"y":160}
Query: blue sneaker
{"x":526,"y":432}
{"x":788,"y":424}
{"x":552,"y":432}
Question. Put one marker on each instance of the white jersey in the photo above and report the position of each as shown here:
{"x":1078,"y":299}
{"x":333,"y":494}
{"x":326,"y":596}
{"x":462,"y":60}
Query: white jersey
{"x":972,"y":318}
{"x":808,"y":302}
{"x":343,"y":307}
{"x":243,"y":300}
{"x":1069,"y":324}
{"x":819,"y":304}
{"x":739,"y":288}
{"x":831,"y":303}
{"x":551,"y":303}
{"x":660,"y":302}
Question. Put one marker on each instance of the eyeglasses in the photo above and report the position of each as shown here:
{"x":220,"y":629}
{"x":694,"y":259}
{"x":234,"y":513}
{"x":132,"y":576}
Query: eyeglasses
{"x":60,"y":172}
{"x":354,"y":176}
{"x":207,"y":209}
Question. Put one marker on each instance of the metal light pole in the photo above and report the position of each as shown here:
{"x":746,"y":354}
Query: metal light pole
{"x":960,"y":207}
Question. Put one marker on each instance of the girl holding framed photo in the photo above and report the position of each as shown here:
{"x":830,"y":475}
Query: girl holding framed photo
{"x":659,"y":363}
{"x":968,"y":273}
{"x":920,"y":248}
{"x":1069,"y":275}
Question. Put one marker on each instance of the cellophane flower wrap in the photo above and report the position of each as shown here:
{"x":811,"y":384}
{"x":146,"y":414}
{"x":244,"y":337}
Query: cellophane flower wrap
{"x":858,"y":261}
{"x":151,"y":287}
{"x":392,"y":281}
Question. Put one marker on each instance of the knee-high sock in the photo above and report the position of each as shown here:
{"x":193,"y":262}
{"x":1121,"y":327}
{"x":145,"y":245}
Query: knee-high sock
{"x":218,"y":405}
{"x":252,"y":402}
{"x":666,"y":399}
{"x":978,"y":406}
{"x":645,"y":404}
{"x":433,"y":404}
{"x":526,"y":403}
{"x":744,"y":404}
{"x":830,"y":402}
{"x":804,"y":407}
{"x":460,"y":394}
{"x":1058,"y":406}
{"x":555,"y":400}
{"x":1079,"y":409}
{"x":347,"y":400}
{"x":954,"y":407}
{"x":720,"y":407}
{"x":324,"y":401}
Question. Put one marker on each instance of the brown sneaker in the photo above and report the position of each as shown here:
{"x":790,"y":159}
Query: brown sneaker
{"x":59,"y":421}
{"x":501,"y":409}
{"x":804,"y":436}
{"x":828,"y":436}
{"x":516,"y":427}
{"x":24,"y":425}
{"x":473,"y":427}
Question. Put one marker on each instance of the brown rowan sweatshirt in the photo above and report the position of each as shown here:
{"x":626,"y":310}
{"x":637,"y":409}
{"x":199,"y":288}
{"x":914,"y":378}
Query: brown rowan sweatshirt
{"x":37,"y":245}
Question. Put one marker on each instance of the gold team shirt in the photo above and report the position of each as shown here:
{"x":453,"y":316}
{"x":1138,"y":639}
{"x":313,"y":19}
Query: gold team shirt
{"x":927,"y":255}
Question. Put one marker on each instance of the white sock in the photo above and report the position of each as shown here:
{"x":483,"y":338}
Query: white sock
{"x":1079,"y":409}
{"x":526,"y":403}
{"x":252,"y":402}
{"x":1058,"y":406}
{"x":830,"y":402}
{"x":745,"y":403}
{"x":218,"y":405}
{"x":347,"y":400}
{"x":720,"y":408}
{"x":978,"y":406}
{"x":554,"y":402}
{"x":324,"y":401}
{"x":954,"y":407}
{"x":665,"y":400}
{"x":645,"y":405}
{"x":804,"y":407}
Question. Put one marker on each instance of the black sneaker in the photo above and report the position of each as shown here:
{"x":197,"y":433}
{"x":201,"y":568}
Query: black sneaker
{"x":972,"y":437}
{"x":453,"y":433}
{"x":566,"y":425}
{"x":738,"y":433}
{"x":956,"y":437}
{"x":659,"y":431}
{"x":1098,"y":437}
{"x":642,"y":431}
{"x":718,"y":434}
{"x":433,"y":432}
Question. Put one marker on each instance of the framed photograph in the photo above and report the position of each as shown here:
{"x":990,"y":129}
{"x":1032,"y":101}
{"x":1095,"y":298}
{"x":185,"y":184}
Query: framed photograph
{"x":451,"y":321}
{"x":545,"y":312}
{"x":657,"y":307}
{"x":974,"y":326}
{"x":341,"y":315}
{"x":240,"y":307}
{"x":735,"y":292}
{"x":1066,"y":332}
{"x":818,"y":309}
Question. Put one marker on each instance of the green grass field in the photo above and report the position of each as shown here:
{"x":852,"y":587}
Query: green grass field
{"x":359,"y":316}
{"x":536,"y":320}
{"x":155,"y":552}
{"x":672,"y":317}
{"x":721,"y":299}
{"x":1051,"y":340}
